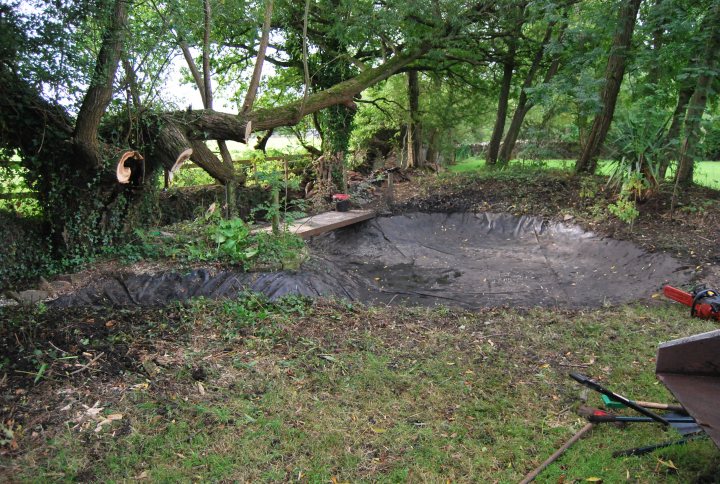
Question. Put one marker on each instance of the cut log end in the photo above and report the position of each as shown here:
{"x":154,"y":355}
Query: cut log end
{"x":124,"y":173}
{"x":182,"y":158}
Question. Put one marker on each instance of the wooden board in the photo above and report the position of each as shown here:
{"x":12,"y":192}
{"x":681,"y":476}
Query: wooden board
{"x":325,"y":222}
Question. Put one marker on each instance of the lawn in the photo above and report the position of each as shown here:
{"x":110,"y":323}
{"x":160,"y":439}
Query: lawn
{"x":707,"y":173}
{"x":333,"y":392}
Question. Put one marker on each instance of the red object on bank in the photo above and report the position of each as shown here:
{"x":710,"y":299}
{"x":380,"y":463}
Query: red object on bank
{"x":342,"y":202}
{"x":703,"y":303}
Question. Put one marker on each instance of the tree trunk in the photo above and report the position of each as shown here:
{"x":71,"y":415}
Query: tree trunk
{"x":414,"y":141}
{"x":670,"y":142}
{"x":499,"y":127}
{"x":431,"y":157}
{"x":698,"y":101}
{"x":100,"y":92}
{"x":614,"y":72}
{"x":524,"y":105}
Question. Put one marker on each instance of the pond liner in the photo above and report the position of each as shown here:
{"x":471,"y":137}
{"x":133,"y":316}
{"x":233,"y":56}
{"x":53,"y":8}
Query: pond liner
{"x":165,"y":288}
{"x":470,"y":260}
{"x":478,"y":260}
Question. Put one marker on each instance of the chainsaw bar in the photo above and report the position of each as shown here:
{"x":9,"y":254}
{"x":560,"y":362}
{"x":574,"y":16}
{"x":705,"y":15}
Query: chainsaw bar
{"x":703,"y":303}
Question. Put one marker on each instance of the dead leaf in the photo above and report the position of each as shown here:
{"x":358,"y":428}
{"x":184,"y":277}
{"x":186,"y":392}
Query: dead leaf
{"x":594,"y":479}
{"x":107,"y":420}
{"x":668,"y":463}
{"x":201,"y":388}
{"x":93,"y":411}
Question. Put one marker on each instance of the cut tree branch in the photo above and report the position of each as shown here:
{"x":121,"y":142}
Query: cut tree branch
{"x":257,"y":71}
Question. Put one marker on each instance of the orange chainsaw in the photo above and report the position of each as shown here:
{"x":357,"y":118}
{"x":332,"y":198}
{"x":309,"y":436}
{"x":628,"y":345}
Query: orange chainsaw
{"x":703,"y":302}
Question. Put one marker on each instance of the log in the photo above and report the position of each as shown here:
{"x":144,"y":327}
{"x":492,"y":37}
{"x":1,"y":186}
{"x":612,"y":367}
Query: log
{"x":124,"y":173}
{"x":184,"y":156}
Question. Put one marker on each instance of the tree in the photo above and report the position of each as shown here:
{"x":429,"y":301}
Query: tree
{"x":508,"y":65}
{"x":72,"y":154}
{"x":614,"y":72}
{"x":524,"y":103}
{"x":696,"y":105}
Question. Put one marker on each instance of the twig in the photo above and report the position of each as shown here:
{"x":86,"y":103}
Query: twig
{"x":86,"y":366}
{"x":574,"y":365}
{"x":61,"y":351}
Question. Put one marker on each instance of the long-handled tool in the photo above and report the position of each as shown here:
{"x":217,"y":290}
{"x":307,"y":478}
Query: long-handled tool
{"x":592,"y":384}
{"x":649,"y":448}
{"x":610,"y":403}
{"x":703,"y":301}
{"x":595,"y":415}
{"x":534,"y":473}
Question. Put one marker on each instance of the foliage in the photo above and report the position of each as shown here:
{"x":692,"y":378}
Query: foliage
{"x":12,"y":180}
{"x":211,"y":238}
{"x":25,"y":251}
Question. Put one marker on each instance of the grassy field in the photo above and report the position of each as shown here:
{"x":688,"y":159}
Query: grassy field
{"x":707,"y":173}
{"x":333,"y":392}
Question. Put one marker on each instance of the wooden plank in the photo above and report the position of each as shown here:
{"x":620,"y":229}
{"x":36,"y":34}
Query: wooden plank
{"x":325,"y":222}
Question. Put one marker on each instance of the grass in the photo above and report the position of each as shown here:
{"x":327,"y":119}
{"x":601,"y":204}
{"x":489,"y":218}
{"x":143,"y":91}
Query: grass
{"x":332,"y":392}
{"x":707,"y":173}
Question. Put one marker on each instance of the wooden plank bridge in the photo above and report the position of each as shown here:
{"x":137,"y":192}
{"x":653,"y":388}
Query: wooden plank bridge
{"x":325,"y":222}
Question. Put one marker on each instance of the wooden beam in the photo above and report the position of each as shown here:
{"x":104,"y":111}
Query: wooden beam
{"x":326,"y":222}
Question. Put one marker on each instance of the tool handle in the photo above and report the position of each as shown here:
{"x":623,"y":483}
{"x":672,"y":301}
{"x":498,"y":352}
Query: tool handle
{"x":590,"y":383}
{"x":533,"y":474}
{"x":647,"y":449}
{"x":602,"y":418}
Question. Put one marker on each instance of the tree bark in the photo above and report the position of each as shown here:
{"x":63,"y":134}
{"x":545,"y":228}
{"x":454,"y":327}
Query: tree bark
{"x":670,"y":142}
{"x":524,"y":106}
{"x":100,"y":92}
{"x":614,"y":72}
{"x":499,"y":127}
{"x":698,"y":101}
{"x":414,"y":141}
{"x":257,"y":71}
{"x":207,"y":82}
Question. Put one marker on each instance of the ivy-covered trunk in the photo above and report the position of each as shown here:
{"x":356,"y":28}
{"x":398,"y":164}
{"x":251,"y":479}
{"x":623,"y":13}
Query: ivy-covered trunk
{"x":335,"y":122}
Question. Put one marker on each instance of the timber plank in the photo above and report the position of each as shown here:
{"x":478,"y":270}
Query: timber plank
{"x":327,"y":221}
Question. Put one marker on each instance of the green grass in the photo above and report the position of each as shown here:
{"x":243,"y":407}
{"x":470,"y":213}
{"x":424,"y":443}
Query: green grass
{"x":359,"y":394}
{"x":707,"y":173}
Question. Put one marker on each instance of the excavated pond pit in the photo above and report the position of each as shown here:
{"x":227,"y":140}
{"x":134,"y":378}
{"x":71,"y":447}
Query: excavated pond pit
{"x":459,"y":259}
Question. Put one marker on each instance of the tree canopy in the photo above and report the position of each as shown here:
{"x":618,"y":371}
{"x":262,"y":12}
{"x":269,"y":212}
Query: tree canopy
{"x":86,"y":81}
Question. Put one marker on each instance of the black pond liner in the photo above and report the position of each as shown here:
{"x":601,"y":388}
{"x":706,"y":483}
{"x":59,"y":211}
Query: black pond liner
{"x":458,"y":259}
